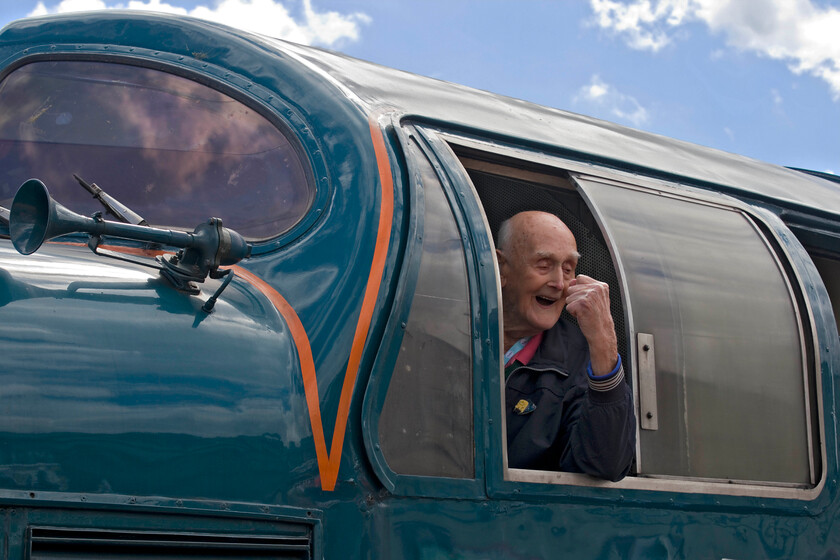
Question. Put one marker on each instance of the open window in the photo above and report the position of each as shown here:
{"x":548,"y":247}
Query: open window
{"x":505,"y":191}
{"x":712,"y":321}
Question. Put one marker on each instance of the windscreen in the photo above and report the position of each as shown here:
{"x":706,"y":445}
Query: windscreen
{"x":173,"y":150}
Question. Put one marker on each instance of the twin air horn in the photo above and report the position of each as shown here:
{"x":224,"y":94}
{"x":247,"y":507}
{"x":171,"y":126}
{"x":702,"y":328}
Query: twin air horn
{"x":36,"y":217}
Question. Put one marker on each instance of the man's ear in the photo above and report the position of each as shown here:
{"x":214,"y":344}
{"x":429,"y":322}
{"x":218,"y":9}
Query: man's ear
{"x":500,"y":258}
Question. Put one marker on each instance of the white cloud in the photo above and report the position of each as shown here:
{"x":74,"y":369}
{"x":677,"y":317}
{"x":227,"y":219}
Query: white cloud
{"x":156,"y":6}
{"x":604,"y":98}
{"x":729,"y":133}
{"x":645,"y":24}
{"x":595,"y":90}
{"x":799,"y":32}
{"x":68,"y":6}
{"x":268,"y":17}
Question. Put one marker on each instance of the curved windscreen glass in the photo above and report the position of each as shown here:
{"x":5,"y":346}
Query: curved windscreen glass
{"x":173,"y":150}
{"x":426,"y":426}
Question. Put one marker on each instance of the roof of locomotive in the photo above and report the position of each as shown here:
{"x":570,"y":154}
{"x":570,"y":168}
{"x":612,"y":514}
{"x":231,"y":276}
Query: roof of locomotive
{"x":374,"y":88}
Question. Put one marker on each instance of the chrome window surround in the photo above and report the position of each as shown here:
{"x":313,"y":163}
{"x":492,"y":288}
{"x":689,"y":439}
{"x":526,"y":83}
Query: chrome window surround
{"x":685,"y":485}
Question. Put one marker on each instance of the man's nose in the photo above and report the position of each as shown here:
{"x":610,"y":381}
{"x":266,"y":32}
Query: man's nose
{"x":557,"y":280}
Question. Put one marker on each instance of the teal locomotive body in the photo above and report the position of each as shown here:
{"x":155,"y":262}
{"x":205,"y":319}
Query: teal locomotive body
{"x":343,"y":396}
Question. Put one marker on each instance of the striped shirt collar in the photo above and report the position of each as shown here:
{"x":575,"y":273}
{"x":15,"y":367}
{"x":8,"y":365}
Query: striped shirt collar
{"x":527,"y":350}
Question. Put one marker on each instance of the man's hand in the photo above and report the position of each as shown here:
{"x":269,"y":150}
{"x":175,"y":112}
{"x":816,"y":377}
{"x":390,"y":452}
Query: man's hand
{"x":588,"y":301}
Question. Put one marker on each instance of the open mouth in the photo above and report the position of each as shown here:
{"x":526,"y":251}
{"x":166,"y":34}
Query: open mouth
{"x":545,"y":301}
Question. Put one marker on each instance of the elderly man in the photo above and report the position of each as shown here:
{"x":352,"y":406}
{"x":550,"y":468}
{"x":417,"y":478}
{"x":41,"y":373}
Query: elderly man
{"x":568,"y":405}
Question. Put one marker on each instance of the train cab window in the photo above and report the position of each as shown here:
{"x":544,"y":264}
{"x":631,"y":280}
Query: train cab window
{"x":173,"y":150}
{"x":426,"y":423}
{"x":712,"y":325}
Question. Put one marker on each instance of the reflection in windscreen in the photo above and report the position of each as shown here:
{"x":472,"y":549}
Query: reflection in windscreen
{"x":173,"y":150}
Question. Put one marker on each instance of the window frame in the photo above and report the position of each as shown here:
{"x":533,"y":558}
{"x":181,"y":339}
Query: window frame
{"x":801,"y":276}
{"x":402,"y":484}
{"x":279,"y":111}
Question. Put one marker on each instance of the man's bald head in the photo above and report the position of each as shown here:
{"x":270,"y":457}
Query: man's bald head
{"x":520,"y":227}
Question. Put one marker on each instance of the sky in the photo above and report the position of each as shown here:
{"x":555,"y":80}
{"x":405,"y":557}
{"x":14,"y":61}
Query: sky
{"x":756,"y":77}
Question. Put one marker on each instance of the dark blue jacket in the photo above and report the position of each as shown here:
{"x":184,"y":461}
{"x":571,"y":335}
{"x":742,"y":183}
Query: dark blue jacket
{"x":564,"y":425}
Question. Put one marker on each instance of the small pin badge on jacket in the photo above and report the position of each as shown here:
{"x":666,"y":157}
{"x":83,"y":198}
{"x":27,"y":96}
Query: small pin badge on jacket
{"x":524,"y":406}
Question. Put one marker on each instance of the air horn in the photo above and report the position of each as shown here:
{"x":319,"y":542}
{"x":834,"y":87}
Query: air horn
{"x":36,"y":217}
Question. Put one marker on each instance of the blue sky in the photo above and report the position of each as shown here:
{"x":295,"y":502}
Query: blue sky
{"x":755,"y":77}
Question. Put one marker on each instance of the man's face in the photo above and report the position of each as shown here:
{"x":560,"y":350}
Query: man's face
{"x":536,"y":268}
